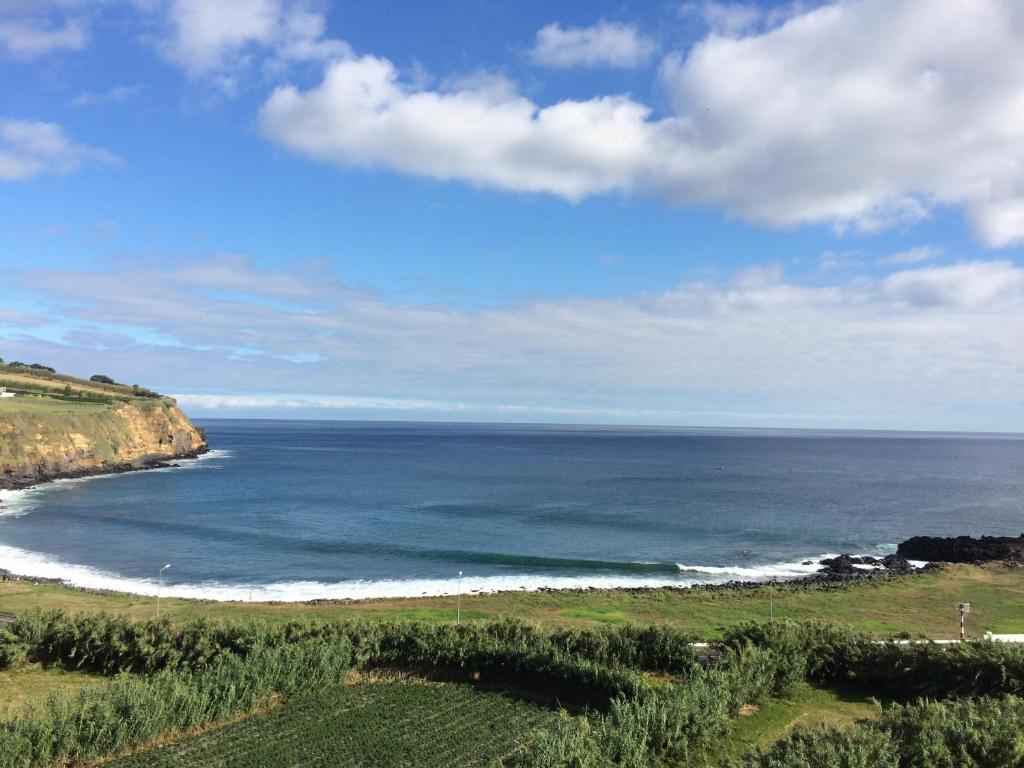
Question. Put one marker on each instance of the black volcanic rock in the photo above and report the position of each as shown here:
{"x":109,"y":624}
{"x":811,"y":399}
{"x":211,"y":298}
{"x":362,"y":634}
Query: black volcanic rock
{"x":843,"y":564}
{"x":963,"y":549}
{"x":897,"y":564}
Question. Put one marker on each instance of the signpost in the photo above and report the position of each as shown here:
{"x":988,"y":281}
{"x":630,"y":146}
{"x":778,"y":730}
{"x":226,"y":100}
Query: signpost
{"x":458,"y":608}
{"x":964,"y":609}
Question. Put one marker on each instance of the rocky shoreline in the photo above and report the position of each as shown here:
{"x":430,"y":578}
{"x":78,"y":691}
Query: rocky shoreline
{"x":11,"y":483}
{"x":964,"y":549}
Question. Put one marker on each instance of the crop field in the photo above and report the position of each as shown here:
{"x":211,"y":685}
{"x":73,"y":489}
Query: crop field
{"x":379,"y":724}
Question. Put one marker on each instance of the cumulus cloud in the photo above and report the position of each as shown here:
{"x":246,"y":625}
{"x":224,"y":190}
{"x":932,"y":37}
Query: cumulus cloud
{"x":865,"y":113}
{"x":915,"y":340}
{"x":219,"y":39}
{"x":362,"y":114}
{"x":29,"y":148}
{"x":606,"y":44}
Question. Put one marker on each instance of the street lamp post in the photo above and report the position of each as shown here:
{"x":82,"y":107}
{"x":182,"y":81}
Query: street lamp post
{"x":159,"y":583}
{"x":458,"y":603}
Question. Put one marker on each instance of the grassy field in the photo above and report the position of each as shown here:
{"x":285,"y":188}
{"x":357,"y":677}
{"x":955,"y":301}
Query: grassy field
{"x":808,"y":706}
{"x":922,"y":604}
{"x":30,"y":683}
{"x":17,"y":378}
{"x":47,"y":405}
{"x":379,"y":724}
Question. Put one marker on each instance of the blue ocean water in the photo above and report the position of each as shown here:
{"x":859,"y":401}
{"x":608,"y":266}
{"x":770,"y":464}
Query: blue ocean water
{"x":302,"y":509}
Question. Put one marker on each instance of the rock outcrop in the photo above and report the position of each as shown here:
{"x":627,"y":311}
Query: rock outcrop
{"x":963,"y":549}
{"x":74,"y":442}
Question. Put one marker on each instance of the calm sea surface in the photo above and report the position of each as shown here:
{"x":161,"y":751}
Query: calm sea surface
{"x":297,"y":510}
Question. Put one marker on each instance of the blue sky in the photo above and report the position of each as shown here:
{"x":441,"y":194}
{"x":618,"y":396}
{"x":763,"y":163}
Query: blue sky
{"x":798,"y":214}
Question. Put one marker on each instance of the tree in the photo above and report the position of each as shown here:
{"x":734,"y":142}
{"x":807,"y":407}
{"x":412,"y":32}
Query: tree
{"x":99,"y":378}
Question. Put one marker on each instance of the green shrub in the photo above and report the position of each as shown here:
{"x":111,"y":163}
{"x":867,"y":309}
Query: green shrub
{"x":860,"y":747}
{"x":13,"y":649}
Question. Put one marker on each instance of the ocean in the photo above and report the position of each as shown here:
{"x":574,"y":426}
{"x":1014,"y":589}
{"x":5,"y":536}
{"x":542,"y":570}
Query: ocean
{"x":298,"y":510}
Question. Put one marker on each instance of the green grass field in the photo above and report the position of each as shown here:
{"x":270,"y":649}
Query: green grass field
{"x":922,"y":604}
{"x":364,"y":724}
{"x":22,"y":685}
{"x":807,"y":706}
{"x":47,"y":405}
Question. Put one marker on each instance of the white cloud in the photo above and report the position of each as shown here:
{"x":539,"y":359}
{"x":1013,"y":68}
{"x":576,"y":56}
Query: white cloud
{"x":115,"y":95}
{"x":864,"y":113}
{"x":220,"y":39}
{"x":911,"y":256}
{"x":606,"y":44}
{"x":736,"y":18}
{"x":969,"y":285}
{"x":29,"y":148}
{"x":27,"y":37}
{"x":363,"y":115}
{"x":917,"y":341}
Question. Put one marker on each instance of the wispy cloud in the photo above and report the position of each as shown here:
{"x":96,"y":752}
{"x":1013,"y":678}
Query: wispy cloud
{"x":29,"y":36}
{"x":223,"y":40}
{"x":605,"y":44}
{"x":757,"y":340}
{"x":115,"y":95}
{"x":29,"y":148}
{"x":911,"y":256}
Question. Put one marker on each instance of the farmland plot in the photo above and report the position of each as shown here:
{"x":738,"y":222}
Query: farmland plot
{"x":364,"y":724}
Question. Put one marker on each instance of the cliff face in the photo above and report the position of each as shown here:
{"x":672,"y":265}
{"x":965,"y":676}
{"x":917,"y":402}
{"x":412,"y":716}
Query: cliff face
{"x":37,"y":445}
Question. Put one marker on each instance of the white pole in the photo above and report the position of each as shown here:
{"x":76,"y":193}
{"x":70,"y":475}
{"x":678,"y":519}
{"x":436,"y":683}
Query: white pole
{"x":159,"y":583}
{"x":458,"y":608}
{"x":771,"y":601}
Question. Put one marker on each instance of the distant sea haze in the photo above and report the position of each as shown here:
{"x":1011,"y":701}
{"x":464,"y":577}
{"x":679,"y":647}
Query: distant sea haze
{"x":298,"y":510}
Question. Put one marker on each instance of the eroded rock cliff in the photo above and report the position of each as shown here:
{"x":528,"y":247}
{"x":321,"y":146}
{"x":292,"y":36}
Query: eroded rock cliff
{"x":45,"y":444}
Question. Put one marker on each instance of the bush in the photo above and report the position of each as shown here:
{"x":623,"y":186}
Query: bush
{"x":861,"y":747}
{"x":980,"y":733}
{"x":13,"y":649}
{"x":99,"y":378}
{"x":829,"y":653}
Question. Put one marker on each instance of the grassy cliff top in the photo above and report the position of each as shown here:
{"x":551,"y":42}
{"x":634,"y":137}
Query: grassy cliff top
{"x":41,"y":390}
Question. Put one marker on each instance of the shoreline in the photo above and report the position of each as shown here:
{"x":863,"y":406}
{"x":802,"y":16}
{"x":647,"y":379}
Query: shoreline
{"x":826,"y":578}
{"x":156,"y":461}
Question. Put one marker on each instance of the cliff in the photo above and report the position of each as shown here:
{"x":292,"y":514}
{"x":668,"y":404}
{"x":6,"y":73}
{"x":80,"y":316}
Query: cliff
{"x":42,"y":440}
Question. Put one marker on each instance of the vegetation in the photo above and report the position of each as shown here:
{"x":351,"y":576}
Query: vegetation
{"x":919,"y":605}
{"x":427,"y":724}
{"x":132,"y":710}
{"x":629,"y":695}
{"x":978,"y":733}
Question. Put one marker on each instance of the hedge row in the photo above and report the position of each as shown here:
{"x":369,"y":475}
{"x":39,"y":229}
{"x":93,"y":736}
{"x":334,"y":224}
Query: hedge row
{"x":110,"y":644}
{"x":830,"y":653}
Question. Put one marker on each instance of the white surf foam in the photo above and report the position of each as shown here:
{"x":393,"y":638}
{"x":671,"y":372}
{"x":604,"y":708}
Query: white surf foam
{"x":783,"y":570}
{"x":44,"y":566}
